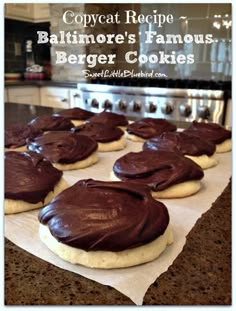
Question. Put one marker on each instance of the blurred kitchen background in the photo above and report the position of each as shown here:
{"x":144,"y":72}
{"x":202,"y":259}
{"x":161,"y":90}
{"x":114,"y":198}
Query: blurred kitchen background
{"x":212,"y":61}
{"x":31,"y":67}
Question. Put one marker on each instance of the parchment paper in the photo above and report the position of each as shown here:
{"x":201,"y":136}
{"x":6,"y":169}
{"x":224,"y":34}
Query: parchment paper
{"x":22,"y":229}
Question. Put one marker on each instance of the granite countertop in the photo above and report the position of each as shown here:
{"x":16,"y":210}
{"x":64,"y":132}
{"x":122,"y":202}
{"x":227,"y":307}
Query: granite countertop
{"x":22,"y":114}
{"x":39,"y":83}
{"x":200,"y":275}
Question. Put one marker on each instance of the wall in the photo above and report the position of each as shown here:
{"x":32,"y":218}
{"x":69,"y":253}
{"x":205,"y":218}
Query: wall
{"x":212,"y":62}
{"x":65,"y":72}
{"x":74,"y":72}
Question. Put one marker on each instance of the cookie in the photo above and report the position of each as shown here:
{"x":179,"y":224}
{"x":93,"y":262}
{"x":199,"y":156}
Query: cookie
{"x":106,"y":225}
{"x":66,"y":150}
{"x":168,"y":175}
{"x":214,"y":133}
{"x":30,"y":181}
{"x":147,"y":128}
{"x":195,"y":148}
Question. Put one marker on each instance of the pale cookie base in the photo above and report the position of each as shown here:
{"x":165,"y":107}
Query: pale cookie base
{"x":18,"y":206}
{"x":136,"y":138}
{"x":92,"y":159}
{"x":107,"y":259}
{"x":204,"y":160}
{"x":224,"y":147}
{"x":19,"y":149}
{"x":113,"y":146}
{"x":180,"y":190}
{"x":123,"y":128}
{"x":78,"y":122}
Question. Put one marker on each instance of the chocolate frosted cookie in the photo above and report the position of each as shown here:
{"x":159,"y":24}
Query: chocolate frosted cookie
{"x":169,"y":175}
{"x":197,"y":149}
{"x":212,"y":132}
{"x":105,"y":225}
{"x":76,"y":115}
{"x":51,"y":123}
{"x":66,"y":150}
{"x":17,"y":135}
{"x":108,"y":138}
{"x":147,"y":128}
{"x":111,"y":119}
{"x":30,"y":181}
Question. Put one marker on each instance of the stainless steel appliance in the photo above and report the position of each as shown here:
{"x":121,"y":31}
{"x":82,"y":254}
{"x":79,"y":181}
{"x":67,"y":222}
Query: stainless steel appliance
{"x":175,"y":104}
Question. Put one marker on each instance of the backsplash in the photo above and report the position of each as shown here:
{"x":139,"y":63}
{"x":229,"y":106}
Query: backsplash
{"x":16,"y":33}
{"x":65,"y":72}
{"x":212,"y":61}
{"x":74,"y":72}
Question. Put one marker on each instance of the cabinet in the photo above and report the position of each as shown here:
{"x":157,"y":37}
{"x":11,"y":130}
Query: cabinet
{"x":48,"y":96}
{"x":57,"y":97}
{"x":6,"y":95}
{"x":41,"y":12}
{"x":228,"y":114}
{"x":23,"y":95}
{"x":30,"y":12}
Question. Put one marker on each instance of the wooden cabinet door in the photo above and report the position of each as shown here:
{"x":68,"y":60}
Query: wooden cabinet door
{"x":30,"y":12}
{"x":6,"y":95}
{"x":55,"y":97}
{"x":41,"y":12}
{"x":24,"y":95}
{"x":21,"y":11}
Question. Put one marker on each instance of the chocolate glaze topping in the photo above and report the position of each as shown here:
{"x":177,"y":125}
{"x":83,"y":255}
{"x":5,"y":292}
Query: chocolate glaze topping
{"x":150,"y":127}
{"x":16,"y":135}
{"x":180,"y":142}
{"x":212,"y":132}
{"x":100,"y":132}
{"x":63,"y":147}
{"x":51,"y":123}
{"x":112,"y":216}
{"x":29,"y":177}
{"x":76,"y":114}
{"x":157,"y":169}
{"x":110,"y":118}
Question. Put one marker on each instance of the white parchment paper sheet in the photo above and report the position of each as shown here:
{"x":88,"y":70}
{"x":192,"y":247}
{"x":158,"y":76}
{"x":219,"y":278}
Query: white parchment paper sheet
{"x":22,"y":229}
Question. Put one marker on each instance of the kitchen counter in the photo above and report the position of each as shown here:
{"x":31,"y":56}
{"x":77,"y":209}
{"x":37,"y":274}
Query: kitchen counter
{"x":22,"y":114}
{"x":200,"y":275}
{"x":39,"y":83}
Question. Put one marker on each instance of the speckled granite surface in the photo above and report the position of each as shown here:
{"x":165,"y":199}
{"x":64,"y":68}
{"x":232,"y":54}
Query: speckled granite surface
{"x":40,"y":83}
{"x":200,"y":275}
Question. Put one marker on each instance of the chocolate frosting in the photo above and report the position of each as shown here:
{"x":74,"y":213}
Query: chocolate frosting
{"x":100,"y":132}
{"x":157,"y":169}
{"x":29,"y":177}
{"x":212,"y":132}
{"x":180,"y":142}
{"x":110,"y":118}
{"x":150,"y":127}
{"x":16,"y":135}
{"x":63,"y":147}
{"x":51,"y":123}
{"x":111,"y":216}
{"x":76,"y":114}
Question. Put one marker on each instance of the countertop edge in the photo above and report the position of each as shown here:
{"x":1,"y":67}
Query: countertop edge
{"x":42,"y":83}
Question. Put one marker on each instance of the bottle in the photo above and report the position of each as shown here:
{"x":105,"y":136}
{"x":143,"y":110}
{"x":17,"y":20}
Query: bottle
{"x":29,"y":54}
